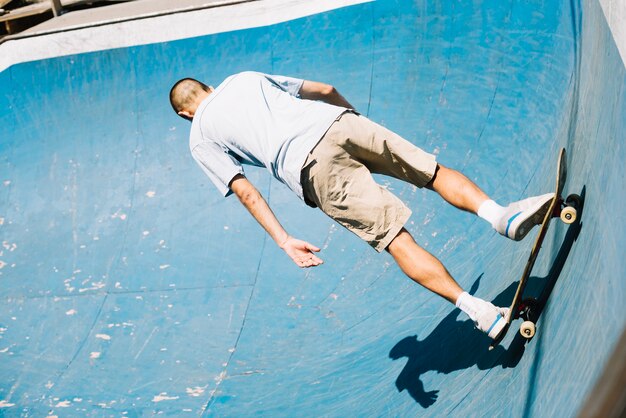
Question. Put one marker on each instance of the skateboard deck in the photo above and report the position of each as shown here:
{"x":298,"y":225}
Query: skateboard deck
{"x":566,"y":210}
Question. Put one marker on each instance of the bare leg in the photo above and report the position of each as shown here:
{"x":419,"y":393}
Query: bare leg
{"x":423,"y":267}
{"x":457,"y":189}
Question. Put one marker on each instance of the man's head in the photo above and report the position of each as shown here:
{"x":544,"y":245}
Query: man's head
{"x":186,"y":95}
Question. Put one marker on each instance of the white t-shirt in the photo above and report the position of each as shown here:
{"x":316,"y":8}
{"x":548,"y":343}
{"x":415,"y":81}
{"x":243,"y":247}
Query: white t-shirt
{"x":258,"y":119}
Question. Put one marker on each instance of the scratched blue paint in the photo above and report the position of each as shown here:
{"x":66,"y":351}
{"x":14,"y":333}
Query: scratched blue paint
{"x":131,"y":288}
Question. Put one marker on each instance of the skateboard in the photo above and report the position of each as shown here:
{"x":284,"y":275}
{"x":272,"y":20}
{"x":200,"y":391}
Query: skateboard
{"x":566,"y":210}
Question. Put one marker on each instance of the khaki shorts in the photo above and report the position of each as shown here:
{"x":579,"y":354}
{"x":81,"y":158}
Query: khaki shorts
{"x":336,"y":177}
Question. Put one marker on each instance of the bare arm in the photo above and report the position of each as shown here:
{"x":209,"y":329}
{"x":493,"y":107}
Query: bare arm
{"x":301,"y":252}
{"x":314,"y":90}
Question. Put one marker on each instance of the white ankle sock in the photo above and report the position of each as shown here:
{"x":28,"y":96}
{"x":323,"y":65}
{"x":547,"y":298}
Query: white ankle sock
{"x":491,"y":212}
{"x":468,"y":304}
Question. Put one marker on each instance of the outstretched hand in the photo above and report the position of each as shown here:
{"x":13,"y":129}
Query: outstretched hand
{"x":301,"y":252}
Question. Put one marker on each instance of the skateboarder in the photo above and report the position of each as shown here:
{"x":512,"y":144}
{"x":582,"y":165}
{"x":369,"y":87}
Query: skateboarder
{"x":311,"y":139}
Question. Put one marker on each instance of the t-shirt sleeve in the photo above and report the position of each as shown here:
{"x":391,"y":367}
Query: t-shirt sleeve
{"x":289,"y":84}
{"x":217,"y":164}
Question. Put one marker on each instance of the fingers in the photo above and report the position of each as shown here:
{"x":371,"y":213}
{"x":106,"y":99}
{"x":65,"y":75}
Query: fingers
{"x":301,"y":252}
{"x":309,"y":260}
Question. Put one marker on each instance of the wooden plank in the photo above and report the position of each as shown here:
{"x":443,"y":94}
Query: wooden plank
{"x":4,"y":3}
{"x":26,"y":11}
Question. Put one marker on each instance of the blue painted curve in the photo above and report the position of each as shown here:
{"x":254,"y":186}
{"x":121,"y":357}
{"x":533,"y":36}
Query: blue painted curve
{"x":129,"y":287}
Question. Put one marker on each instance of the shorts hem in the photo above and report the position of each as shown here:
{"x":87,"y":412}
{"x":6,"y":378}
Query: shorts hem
{"x":432,"y":170}
{"x":394,"y":230}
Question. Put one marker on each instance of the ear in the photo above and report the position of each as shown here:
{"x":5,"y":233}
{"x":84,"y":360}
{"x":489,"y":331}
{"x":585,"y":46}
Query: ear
{"x":185,"y":114}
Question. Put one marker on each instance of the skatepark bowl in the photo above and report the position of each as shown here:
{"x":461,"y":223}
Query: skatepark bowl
{"x":131,"y":288}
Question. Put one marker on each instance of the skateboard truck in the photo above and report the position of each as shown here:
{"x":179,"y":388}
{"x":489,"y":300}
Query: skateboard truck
{"x":525,"y":311}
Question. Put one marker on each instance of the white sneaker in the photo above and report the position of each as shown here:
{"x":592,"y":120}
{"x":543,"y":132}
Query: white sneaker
{"x":491,"y":319}
{"x":520,"y":217}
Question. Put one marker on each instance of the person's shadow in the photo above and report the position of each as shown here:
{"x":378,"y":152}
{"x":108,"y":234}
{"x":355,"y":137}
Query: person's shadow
{"x":455,"y":344}
{"x":451,"y":346}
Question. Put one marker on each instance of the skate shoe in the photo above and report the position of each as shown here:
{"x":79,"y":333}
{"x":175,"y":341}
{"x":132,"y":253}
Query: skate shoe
{"x":520,"y":217}
{"x":491,"y":320}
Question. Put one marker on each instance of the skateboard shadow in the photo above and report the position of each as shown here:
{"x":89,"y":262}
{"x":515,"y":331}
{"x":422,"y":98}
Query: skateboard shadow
{"x":455,"y":344}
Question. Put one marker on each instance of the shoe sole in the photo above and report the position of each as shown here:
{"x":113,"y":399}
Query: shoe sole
{"x":497,"y":327}
{"x":535,"y":219}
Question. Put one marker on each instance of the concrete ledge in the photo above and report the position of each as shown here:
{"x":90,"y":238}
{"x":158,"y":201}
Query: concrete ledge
{"x":166,"y":25}
{"x":122,"y":12}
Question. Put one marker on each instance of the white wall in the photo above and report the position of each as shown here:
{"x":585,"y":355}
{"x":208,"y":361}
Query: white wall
{"x":615,"y":13}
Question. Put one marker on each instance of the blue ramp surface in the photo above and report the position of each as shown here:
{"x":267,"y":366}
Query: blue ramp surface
{"x":129,"y":287}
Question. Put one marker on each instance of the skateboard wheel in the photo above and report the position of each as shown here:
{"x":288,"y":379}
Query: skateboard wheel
{"x":568,"y":214}
{"x":527,"y":329}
